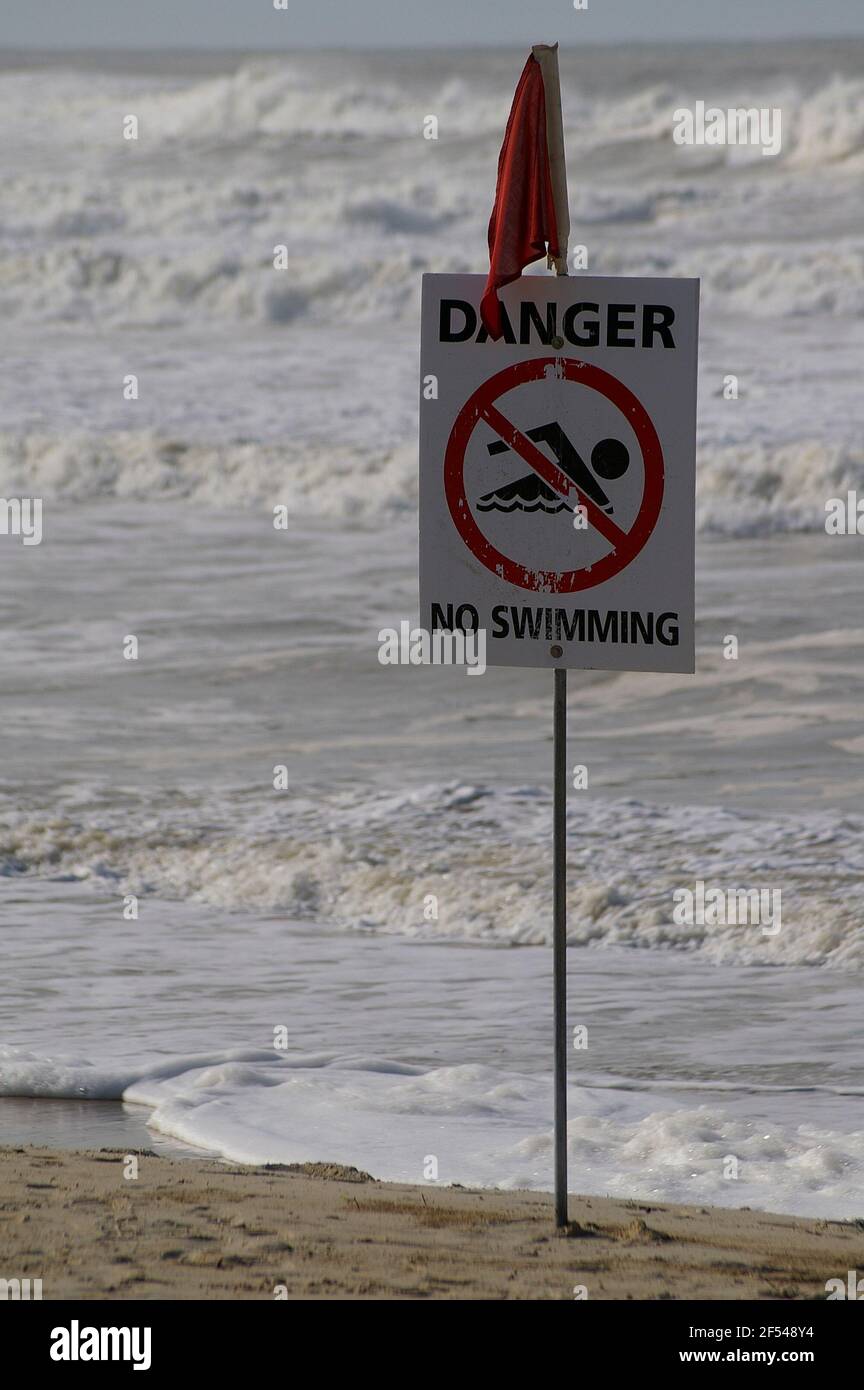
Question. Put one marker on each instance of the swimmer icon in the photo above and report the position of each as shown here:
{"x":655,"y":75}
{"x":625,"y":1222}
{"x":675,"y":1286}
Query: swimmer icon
{"x":610,"y":459}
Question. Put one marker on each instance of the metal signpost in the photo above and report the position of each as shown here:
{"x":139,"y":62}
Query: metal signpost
{"x":557,"y":500}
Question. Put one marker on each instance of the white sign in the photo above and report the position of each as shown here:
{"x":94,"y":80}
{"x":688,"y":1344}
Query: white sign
{"x":557,"y":470}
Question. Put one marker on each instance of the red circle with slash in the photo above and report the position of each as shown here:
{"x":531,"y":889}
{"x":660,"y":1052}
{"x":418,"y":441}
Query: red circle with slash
{"x":481,"y":406}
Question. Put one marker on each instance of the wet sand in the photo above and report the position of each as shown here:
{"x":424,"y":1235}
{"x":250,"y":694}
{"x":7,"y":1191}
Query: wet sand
{"x":202,"y":1229}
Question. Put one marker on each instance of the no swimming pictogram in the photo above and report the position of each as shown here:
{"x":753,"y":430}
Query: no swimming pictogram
{"x":553,"y":487}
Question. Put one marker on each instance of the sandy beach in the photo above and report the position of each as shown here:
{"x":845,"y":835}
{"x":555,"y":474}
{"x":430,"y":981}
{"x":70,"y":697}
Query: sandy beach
{"x":201,"y":1229}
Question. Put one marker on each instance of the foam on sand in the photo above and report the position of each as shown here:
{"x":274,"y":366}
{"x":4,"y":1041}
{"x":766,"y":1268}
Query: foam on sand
{"x":486,"y":1127}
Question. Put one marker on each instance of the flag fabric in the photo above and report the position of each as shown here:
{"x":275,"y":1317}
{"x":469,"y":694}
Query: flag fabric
{"x":529,"y":217}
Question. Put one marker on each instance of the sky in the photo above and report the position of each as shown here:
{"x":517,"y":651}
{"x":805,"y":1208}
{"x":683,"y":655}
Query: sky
{"x":255,"y":24}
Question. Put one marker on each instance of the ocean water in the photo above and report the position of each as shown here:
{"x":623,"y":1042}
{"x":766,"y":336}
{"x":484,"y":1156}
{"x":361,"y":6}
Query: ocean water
{"x":411,"y":1035}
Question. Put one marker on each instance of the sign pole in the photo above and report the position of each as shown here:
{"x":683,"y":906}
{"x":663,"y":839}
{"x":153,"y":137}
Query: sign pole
{"x":559,"y":939}
{"x":547,"y":57}
{"x":468,"y":565}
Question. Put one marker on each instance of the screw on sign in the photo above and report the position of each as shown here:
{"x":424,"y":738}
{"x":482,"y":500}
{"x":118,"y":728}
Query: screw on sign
{"x":609,"y":459}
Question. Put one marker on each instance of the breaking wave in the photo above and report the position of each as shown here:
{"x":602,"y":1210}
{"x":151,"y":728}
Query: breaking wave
{"x":182,"y":223}
{"x":370,"y":861}
{"x":753,"y":489}
{"x":166,"y":245}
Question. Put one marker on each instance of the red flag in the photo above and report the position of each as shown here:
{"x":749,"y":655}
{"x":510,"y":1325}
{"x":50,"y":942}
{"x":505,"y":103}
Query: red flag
{"x":524,"y":221}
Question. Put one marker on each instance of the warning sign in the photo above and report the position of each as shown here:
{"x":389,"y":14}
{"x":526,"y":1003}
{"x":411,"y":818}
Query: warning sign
{"x":557,"y":472}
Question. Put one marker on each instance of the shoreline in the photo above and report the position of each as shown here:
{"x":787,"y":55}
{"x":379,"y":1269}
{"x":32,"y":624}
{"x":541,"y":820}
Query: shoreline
{"x":202,"y":1229}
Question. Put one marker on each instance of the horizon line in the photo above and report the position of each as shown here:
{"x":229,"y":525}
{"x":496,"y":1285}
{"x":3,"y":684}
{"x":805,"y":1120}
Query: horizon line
{"x":472,"y":44}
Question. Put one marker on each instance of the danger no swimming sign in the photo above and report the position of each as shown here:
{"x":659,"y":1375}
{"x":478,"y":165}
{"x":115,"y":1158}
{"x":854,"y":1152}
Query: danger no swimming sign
{"x":557,"y":470}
